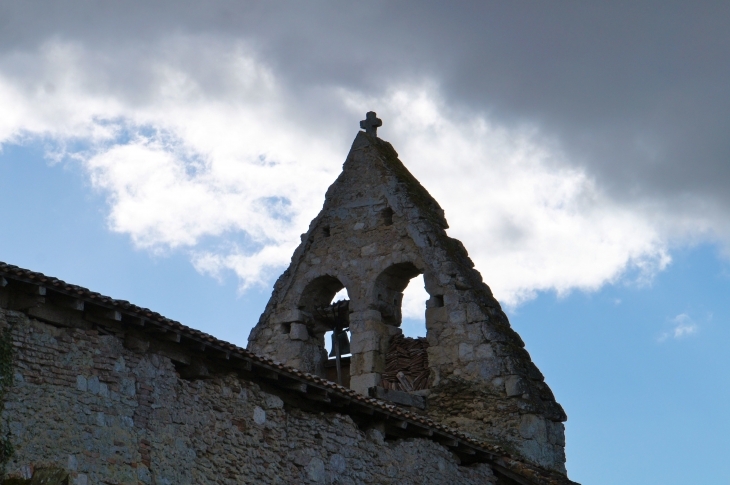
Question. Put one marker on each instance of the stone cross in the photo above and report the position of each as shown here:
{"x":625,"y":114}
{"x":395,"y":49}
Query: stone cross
{"x":370,"y":123}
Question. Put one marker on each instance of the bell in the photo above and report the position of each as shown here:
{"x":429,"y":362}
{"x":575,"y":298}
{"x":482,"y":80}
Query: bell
{"x":343,"y":341}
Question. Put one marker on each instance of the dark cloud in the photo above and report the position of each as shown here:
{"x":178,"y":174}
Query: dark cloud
{"x":637,"y":92}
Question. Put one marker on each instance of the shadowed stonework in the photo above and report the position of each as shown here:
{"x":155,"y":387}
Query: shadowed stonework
{"x":379,"y":228}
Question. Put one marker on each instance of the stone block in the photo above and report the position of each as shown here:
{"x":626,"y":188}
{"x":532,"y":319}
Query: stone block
{"x":59,"y":316}
{"x":364,"y":382}
{"x":420,"y":239}
{"x":369,"y":250}
{"x":432,"y":338}
{"x":174,"y":353}
{"x":533,"y":427}
{"x":288,"y":316}
{"x":392,"y":332}
{"x":366,"y":341}
{"x":483,"y":351}
{"x":474,"y":313}
{"x":297,"y":363}
{"x":93,"y":385}
{"x":444,"y":279}
{"x":316,"y":471}
{"x":300,"y":457}
{"x":437,"y":356}
{"x":259,"y":415}
{"x":492,"y":333}
{"x":356,"y":364}
{"x":515,"y":386}
{"x":128,"y":387}
{"x":366,"y":315}
{"x":451,"y":300}
{"x":532,"y":451}
{"x":120,"y":365}
{"x":362,"y":326}
{"x":432,"y":284}
{"x":474,"y":333}
{"x":338,"y":465}
{"x":466,"y":352}
{"x":49,"y":476}
{"x":376,"y":435}
{"x":357,"y":326}
{"x":489,"y":369}
{"x":436,"y":328}
{"x":273,"y":402}
{"x":367,"y":362}
{"x":436,"y":315}
{"x":556,"y":433}
{"x":289,"y":349}
{"x":398,"y":397}
{"x":143,"y":474}
{"x":461,"y":284}
{"x":457,"y":317}
{"x":449,"y":268}
{"x":298,"y":332}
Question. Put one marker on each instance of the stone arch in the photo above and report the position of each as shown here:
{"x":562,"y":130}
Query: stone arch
{"x":407,"y":369}
{"x":374,"y":329}
{"x":387,"y":293}
{"x":319,"y":292}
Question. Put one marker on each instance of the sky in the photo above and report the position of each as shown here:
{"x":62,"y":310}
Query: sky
{"x":171,"y":153}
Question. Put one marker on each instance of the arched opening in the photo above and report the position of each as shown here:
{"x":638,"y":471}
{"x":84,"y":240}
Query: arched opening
{"x":401,"y":298}
{"x":413,"y":308}
{"x":389,"y":287}
{"x":326,"y":301}
{"x":319,"y":292}
{"x":341,"y":295}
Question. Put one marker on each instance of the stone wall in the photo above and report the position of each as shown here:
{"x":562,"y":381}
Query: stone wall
{"x":379,"y":228}
{"x":84,"y":405}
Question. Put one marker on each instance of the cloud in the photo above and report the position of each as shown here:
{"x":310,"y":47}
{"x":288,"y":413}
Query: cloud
{"x":684,"y":326}
{"x":221,"y":174}
{"x":201,"y":144}
{"x":530,"y":221}
{"x":637,"y":95}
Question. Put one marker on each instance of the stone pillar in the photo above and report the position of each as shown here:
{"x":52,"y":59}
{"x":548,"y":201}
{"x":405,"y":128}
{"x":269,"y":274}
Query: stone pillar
{"x":370,"y":340}
{"x":294,"y":345}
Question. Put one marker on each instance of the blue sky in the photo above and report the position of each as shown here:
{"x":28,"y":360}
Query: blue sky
{"x":171,"y":157}
{"x":654,"y":405}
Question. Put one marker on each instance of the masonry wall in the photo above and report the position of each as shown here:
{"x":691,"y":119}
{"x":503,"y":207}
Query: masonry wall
{"x":379,"y":228}
{"x":84,"y":404}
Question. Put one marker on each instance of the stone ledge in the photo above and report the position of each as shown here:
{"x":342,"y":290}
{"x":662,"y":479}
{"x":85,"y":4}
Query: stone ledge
{"x":398,"y":397}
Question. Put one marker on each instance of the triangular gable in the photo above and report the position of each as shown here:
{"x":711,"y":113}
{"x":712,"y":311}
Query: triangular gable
{"x":378,"y":228}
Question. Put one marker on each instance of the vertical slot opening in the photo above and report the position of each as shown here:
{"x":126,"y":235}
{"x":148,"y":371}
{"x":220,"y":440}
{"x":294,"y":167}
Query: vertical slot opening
{"x":387,"y":216}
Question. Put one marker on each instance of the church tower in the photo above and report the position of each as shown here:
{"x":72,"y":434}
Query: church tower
{"x":378,"y":229}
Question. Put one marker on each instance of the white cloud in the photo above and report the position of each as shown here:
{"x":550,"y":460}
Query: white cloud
{"x":529,"y":222}
{"x":683,"y":326}
{"x":200,"y":149}
{"x":414,"y":299}
{"x":184,"y":165}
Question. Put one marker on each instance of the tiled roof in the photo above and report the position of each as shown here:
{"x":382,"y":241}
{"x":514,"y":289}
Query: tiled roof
{"x":294,"y":380}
